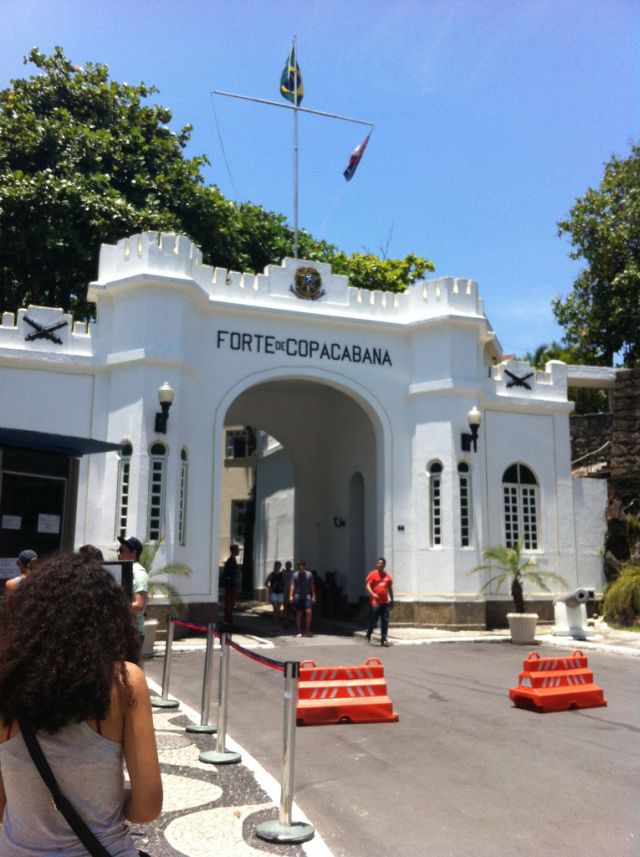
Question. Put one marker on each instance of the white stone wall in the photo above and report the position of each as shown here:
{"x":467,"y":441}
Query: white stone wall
{"x":590,"y":530}
{"x":353,"y":383}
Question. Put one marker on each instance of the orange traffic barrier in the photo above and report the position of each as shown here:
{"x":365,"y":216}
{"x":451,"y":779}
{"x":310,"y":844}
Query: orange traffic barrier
{"x":556,"y":684}
{"x":353,"y":694}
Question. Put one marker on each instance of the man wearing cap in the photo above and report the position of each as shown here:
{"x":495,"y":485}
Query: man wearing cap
{"x":27,"y":561}
{"x":229,"y":582}
{"x":129,"y":551}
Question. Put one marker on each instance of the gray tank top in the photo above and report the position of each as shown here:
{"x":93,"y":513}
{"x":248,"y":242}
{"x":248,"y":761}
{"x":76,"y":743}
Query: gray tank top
{"x":89,"y":771}
{"x":302,"y":584}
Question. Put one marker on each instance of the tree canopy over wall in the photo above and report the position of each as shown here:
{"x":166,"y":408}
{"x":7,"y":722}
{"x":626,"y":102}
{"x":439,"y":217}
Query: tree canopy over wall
{"x":85,"y":160}
{"x":601,"y":316}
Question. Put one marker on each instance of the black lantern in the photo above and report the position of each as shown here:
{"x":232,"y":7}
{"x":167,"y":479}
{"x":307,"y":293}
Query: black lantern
{"x":469,"y":440}
{"x":165,"y":397}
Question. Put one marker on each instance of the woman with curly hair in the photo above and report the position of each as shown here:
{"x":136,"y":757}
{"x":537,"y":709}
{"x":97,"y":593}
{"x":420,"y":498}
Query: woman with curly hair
{"x":68,"y":653}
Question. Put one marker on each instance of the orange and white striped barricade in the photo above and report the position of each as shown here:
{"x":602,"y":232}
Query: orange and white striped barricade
{"x":343,"y":694}
{"x":556,"y":684}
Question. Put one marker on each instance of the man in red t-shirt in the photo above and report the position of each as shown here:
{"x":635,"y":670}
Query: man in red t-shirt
{"x":379,"y":587}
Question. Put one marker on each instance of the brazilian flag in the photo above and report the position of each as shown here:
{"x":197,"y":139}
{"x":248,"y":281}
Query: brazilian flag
{"x":291,"y":80}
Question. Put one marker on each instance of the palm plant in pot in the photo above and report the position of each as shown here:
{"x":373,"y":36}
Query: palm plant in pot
{"x":514,"y":568}
{"x":160,"y":587}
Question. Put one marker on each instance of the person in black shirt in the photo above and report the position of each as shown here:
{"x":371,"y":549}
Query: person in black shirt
{"x":275,"y":585}
{"x":229,"y":582}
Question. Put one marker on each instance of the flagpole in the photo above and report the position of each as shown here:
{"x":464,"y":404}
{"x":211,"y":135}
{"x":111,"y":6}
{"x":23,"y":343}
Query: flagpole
{"x":290,"y":107}
{"x":287,"y":90}
{"x":295,"y":151}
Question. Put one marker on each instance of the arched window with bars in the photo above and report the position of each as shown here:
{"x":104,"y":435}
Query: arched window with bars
{"x":435,"y":504}
{"x":122,"y":497}
{"x":520,"y":506}
{"x":157,"y":474}
{"x":182,"y":499}
{"x":464,"y":483}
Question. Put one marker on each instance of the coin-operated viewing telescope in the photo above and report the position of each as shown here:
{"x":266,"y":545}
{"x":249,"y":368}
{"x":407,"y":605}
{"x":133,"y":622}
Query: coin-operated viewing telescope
{"x":570,"y":614}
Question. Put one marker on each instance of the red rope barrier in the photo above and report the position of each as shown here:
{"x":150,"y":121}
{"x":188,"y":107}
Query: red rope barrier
{"x":261,"y":659}
{"x":189,"y":625}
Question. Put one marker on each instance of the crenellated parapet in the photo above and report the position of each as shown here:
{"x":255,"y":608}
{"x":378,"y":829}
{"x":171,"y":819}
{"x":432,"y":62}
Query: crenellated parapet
{"x":42,"y":330}
{"x":519,"y":379}
{"x":296,"y":284}
{"x":446,"y":296}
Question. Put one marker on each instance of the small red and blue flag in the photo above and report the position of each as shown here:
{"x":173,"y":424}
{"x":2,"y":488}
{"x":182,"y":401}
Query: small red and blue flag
{"x":356,"y":157}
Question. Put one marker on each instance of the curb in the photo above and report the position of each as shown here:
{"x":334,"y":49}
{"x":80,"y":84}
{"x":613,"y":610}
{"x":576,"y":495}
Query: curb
{"x":251,"y":641}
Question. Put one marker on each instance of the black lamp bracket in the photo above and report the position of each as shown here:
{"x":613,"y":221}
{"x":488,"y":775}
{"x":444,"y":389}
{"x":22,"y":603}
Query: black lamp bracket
{"x":162,"y":418}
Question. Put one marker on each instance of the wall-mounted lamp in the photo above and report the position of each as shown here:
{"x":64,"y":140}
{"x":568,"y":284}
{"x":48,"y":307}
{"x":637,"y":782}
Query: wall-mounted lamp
{"x":338,"y":521}
{"x":469,"y":440}
{"x":165,"y":397}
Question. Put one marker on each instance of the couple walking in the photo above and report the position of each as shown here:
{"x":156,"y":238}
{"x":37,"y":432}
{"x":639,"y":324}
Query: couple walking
{"x":299,"y":591}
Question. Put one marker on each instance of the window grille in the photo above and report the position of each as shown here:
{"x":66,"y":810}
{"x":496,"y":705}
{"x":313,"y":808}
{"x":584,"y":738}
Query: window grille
{"x":238,"y":520}
{"x":124,"y":475}
{"x":239,"y":443}
{"x":182,"y":499}
{"x":435,"y":504}
{"x":464,"y":476}
{"x":520,"y":505}
{"x":157,"y":469}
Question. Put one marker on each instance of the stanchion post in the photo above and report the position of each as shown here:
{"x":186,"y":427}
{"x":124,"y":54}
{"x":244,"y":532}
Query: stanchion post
{"x":163,"y":700}
{"x":222,"y":756}
{"x":284,"y":830}
{"x":204,"y":725}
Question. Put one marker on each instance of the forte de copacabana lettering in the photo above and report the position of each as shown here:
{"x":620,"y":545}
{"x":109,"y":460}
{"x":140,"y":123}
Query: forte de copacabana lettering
{"x":310,"y":348}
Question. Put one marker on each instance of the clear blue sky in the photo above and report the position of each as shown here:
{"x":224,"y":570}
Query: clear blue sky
{"x":490,"y":118}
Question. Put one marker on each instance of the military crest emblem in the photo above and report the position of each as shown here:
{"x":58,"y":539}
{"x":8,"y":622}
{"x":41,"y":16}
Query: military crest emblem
{"x":308,"y":284}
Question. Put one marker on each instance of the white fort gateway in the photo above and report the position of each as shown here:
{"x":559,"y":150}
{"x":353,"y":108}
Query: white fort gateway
{"x":362,"y":401}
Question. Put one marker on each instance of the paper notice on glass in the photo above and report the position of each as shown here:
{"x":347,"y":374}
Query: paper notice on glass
{"x":48,"y":523}
{"x":8,"y":567}
{"x":11,"y":522}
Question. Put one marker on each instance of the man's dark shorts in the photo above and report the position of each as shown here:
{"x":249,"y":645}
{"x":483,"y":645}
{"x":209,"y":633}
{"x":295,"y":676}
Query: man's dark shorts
{"x":302,"y":603}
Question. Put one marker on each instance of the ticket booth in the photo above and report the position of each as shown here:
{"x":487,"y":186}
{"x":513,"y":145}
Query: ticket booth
{"x":38,"y":491}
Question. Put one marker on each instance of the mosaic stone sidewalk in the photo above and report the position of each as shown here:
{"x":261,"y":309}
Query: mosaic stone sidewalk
{"x":210,"y":809}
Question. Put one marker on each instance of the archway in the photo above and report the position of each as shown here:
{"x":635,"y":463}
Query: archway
{"x":317,"y":478}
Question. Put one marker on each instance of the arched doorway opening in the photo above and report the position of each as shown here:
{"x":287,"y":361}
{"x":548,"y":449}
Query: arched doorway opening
{"x":316,"y":472}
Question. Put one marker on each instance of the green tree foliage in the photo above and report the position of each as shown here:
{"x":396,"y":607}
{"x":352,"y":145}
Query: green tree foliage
{"x":85,"y":160}
{"x":515,"y":569}
{"x":622,"y":597}
{"x":366,"y":271}
{"x":159,"y":584}
{"x":601,"y":316}
{"x":264,"y":238}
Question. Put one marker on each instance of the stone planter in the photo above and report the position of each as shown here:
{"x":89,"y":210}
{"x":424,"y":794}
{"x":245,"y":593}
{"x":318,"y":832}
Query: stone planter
{"x":150,"y":630}
{"x":522,"y":627}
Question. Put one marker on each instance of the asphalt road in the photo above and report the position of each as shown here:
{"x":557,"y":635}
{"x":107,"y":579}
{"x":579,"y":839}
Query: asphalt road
{"x":463,"y":772}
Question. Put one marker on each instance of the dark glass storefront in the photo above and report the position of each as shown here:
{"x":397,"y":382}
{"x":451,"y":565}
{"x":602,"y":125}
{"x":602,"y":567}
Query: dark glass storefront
{"x":38,"y":491}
